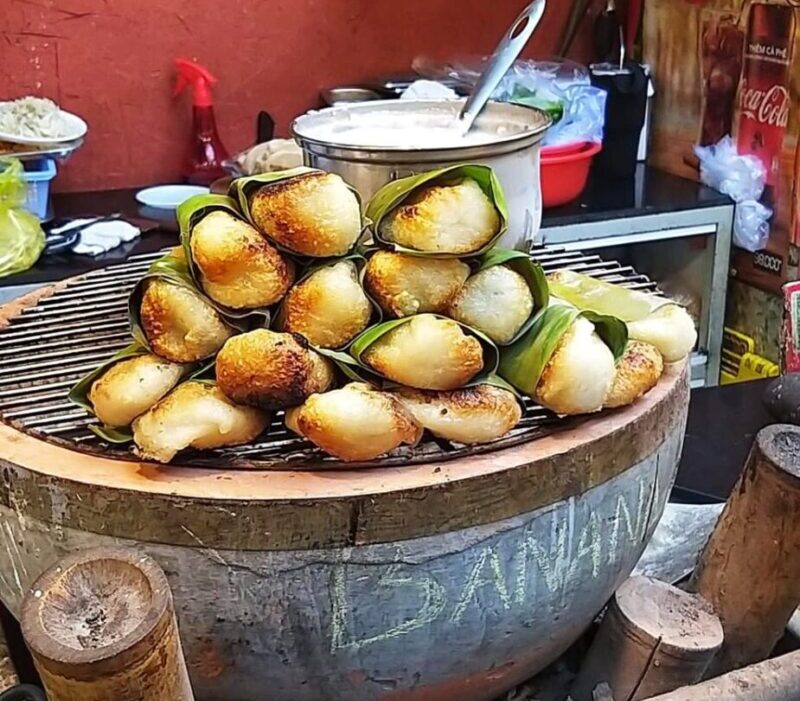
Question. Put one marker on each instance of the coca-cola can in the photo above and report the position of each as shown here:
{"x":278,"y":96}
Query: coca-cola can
{"x":764,"y":89}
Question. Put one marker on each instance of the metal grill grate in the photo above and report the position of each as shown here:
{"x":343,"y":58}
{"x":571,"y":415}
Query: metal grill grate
{"x":49,"y":346}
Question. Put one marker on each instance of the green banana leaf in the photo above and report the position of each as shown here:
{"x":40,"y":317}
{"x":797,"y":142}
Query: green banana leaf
{"x":540,"y":99}
{"x":198,"y":206}
{"x":393,"y":194}
{"x":351,"y":369}
{"x":204,"y":372}
{"x":523,"y":362}
{"x":176,"y":271}
{"x":612,"y":330}
{"x":589,"y":294}
{"x":495,"y":380}
{"x":189,"y":214}
{"x":361,"y":265}
{"x":242,"y":189}
{"x":526,"y":266}
{"x":119,"y":435}
{"x":491,"y":355}
{"x":79,"y":394}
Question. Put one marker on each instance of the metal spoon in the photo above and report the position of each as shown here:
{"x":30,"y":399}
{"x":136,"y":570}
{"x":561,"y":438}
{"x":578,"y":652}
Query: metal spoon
{"x":502,"y":59}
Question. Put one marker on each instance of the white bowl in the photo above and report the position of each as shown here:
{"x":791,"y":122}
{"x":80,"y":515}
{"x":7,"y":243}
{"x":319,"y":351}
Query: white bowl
{"x":169,"y":196}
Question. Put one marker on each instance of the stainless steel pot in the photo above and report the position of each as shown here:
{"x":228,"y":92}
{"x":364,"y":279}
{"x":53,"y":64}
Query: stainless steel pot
{"x":511,"y":146}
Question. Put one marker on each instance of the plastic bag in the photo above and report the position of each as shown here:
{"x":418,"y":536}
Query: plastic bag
{"x":21,"y":237}
{"x":561,"y":88}
{"x":584,"y":117}
{"x":742,"y":178}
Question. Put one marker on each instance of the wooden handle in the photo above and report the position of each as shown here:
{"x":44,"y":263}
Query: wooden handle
{"x":750,"y":568}
{"x":654,"y":638}
{"x":101,"y":625}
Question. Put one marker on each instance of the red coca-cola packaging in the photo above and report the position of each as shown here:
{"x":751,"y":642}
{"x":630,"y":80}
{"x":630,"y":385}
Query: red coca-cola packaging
{"x":731,"y":67}
{"x":790,"y":357}
{"x":764,"y":100}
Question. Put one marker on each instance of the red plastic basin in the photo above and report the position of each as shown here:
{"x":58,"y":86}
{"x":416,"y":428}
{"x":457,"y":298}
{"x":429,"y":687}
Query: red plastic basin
{"x":565,"y":170}
{"x":564,"y":149}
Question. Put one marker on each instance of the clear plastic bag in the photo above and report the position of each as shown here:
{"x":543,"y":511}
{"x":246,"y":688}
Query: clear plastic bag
{"x":563,"y":89}
{"x":542,"y":84}
{"x":559,"y":87}
{"x":21,"y":237}
{"x":742,"y":178}
{"x":584,"y":117}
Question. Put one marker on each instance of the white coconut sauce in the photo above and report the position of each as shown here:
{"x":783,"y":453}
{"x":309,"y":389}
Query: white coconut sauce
{"x":410,"y":130}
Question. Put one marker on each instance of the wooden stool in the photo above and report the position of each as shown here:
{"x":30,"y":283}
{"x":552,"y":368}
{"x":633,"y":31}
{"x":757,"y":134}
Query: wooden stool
{"x":101,"y":627}
{"x":654,"y":638}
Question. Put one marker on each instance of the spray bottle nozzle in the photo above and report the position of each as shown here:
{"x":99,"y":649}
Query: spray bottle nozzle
{"x":199,"y":77}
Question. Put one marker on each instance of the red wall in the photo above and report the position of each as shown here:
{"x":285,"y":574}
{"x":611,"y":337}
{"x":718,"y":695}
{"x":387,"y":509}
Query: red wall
{"x":111,"y":62}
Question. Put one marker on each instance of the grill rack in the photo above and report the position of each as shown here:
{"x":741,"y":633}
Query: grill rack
{"x":50,"y":345}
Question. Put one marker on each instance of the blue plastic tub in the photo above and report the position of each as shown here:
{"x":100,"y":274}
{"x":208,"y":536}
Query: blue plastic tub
{"x":38,"y":175}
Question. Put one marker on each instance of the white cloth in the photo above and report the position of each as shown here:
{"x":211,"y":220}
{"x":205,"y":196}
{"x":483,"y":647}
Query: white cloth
{"x":101,"y":237}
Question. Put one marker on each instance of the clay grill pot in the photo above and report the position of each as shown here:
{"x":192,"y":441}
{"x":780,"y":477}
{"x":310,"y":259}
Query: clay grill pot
{"x":441,"y":573}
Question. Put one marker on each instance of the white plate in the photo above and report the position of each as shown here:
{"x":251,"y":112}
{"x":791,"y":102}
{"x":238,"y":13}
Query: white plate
{"x":169,"y":196}
{"x":76,"y":128}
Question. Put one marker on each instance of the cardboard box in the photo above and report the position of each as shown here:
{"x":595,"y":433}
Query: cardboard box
{"x":732,"y":66}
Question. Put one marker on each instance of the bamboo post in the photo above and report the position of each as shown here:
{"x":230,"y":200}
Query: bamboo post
{"x":750,"y":568}
{"x":101,"y":625}
{"x":774,"y":680}
{"x":653,"y":638}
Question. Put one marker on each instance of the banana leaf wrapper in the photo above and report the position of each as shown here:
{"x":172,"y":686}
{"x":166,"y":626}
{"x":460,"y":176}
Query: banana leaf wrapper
{"x":189,"y":215}
{"x":175,"y":270}
{"x":361,"y":265}
{"x":523,"y":264}
{"x":491,"y":354}
{"x":350,"y":369}
{"x":79,"y":394}
{"x":592,"y":295}
{"x":392,"y":195}
{"x":523,"y":362}
{"x":242,"y":189}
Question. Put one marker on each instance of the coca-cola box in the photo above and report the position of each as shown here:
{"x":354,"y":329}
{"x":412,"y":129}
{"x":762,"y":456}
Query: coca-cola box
{"x":732,"y":67}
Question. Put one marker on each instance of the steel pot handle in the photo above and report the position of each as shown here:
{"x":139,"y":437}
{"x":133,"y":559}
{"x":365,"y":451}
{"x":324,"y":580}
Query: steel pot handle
{"x":401,"y":173}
